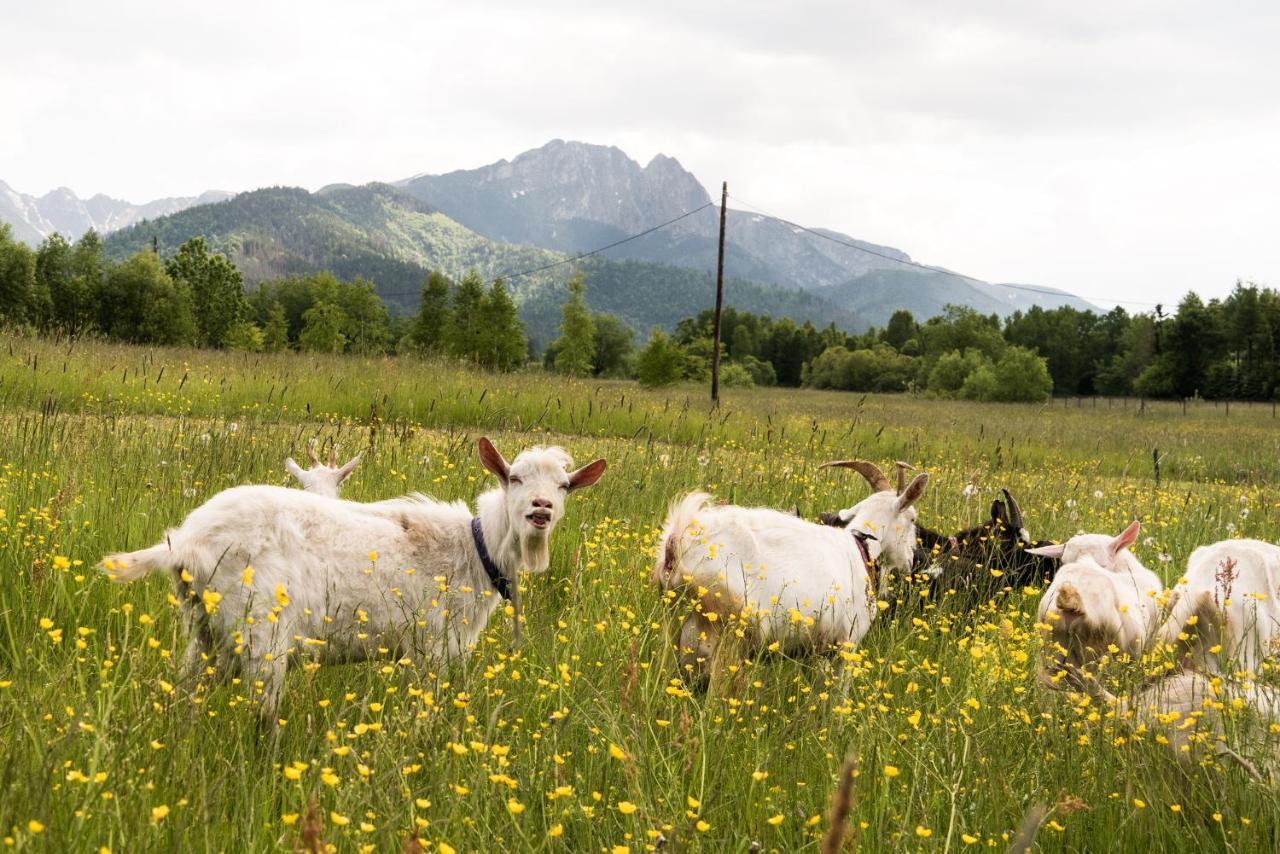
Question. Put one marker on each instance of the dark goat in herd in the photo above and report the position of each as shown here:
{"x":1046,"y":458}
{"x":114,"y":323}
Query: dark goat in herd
{"x":975,"y":564}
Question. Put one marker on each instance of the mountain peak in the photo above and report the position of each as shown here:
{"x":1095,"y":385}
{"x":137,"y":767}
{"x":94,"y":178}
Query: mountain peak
{"x":564,"y":195}
{"x":60,"y":210}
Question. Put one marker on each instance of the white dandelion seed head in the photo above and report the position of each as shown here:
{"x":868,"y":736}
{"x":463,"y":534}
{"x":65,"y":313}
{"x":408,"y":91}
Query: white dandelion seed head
{"x":703,"y":460}
{"x":1165,"y":557}
{"x":1071,"y":502}
{"x":1244,"y":514}
{"x":1097,"y":493}
{"x":1231,"y":527}
{"x":969,"y":490}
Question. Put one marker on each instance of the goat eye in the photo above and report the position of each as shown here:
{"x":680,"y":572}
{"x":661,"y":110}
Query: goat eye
{"x":564,"y":487}
{"x":514,"y":480}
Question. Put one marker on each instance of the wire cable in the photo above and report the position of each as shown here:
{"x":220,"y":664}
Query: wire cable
{"x":581,"y":255}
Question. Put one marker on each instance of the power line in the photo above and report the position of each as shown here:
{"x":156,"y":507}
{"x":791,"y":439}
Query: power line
{"x":580,"y":256}
{"x":938,"y":270}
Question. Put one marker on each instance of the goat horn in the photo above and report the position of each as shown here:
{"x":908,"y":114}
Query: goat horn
{"x":869,"y":470}
{"x":903,"y":468}
{"x":333,"y":456}
{"x":311,"y":455}
{"x":1015,"y":512}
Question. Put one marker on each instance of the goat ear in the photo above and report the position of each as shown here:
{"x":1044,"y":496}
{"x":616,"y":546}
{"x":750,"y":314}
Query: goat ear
{"x":1053,"y":551}
{"x":1127,"y":537}
{"x":492,"y":460}
{"x":912,"y":493}
{"x":349,"y":467}
{"x":294,"y":469}
{"x":587,"y":475}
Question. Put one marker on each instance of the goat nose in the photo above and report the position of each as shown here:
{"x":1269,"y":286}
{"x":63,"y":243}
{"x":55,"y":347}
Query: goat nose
{"x":544,"y":503}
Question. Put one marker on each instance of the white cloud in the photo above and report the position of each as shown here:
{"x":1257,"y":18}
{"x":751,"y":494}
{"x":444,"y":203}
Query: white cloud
{"x":1122,"y":151}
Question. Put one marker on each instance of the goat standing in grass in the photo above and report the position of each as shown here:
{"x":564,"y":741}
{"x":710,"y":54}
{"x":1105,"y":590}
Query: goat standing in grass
{"x":266,"y":574}
{"x":322,"y":479}
{"x":778,"y":578}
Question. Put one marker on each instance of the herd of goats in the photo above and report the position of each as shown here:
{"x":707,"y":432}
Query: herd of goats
{"x":267,"y":575}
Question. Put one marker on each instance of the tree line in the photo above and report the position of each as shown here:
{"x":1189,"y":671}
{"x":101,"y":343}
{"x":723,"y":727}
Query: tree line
{"x":1223,"y":348}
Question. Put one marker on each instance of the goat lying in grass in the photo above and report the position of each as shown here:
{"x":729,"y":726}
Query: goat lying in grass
{"x":1233,"y":589}
{"x":322,"y":479}
{"x":971,"y":566}
{"x":1102,"y":602}
{"x":769,"y":577}
{"x":1189,"y":711}
{"x":266,"y":575}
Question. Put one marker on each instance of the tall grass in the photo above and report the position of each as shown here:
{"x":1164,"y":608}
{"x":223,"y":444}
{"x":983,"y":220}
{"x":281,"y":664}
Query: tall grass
{"x":582,"y":739}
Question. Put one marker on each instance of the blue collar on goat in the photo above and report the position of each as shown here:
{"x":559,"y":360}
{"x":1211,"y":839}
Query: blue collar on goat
{"x":500,"y":582}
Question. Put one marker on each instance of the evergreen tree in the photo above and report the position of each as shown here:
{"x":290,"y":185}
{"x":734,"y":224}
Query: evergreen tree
{"x":275,"y":337}
{"x":322,"y":329}
{"x":901,"y":329}
{"x":53,"y":277}
{"x":428,"y":330}
{"x":17,"y":277}
{"x":466,"y":332}
{"x":575,"y":348}
{"x":216,"y":288}
{"x":76,"y":309}
{"x":367,"y":325}
{"x":660,"y":362}
{"x":503,"y":345}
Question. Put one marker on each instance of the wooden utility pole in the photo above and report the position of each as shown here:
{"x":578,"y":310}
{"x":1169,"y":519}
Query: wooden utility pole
{"x":715,"y":341}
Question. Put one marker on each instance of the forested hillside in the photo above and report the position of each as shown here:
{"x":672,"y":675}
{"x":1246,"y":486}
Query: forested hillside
{"x":386,"y":237}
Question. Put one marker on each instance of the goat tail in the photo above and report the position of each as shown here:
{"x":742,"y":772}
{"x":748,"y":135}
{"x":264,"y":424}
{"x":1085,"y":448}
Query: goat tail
{"x":680,"y":519}
{"x":123,"y":567}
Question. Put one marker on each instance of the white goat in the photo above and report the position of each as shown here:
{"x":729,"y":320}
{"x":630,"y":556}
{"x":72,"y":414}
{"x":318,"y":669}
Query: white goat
{"x":322,"y":479}
{"x":267,"y":574}
{"x":1102,"y":600}
{"x":779,"y":577}
{"x":1232,"y":589}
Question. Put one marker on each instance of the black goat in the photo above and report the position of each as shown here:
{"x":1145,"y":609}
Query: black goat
{"x":976,"y":564}
{"x":979,"y":563}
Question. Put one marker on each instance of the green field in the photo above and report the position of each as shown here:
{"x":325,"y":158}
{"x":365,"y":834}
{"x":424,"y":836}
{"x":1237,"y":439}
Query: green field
{"x":583,"y":739}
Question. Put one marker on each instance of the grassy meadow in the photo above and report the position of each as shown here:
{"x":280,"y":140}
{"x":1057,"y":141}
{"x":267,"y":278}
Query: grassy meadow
{"x":583,"y":738}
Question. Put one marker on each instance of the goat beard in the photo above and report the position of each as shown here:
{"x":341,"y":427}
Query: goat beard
{"x":535,"y":551}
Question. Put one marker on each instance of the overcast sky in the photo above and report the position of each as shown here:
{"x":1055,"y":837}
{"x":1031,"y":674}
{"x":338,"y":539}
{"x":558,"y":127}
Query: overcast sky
{"x":1117,"y":150}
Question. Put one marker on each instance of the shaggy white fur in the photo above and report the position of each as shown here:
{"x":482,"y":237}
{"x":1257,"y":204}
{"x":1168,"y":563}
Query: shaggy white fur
{"x":267,"y":575}
{"x":806,"y":586}
{"x":1232,"y":589}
